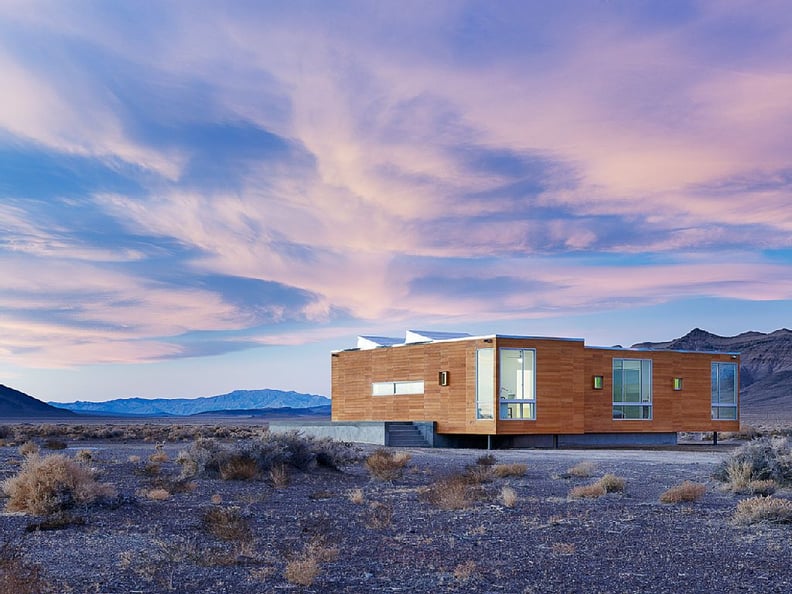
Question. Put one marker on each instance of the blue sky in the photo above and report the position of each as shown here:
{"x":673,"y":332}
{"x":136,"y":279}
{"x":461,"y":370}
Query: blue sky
{"x":202,"y":196}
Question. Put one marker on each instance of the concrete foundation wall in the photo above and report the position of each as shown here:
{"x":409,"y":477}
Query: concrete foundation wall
{"x":360,"y":432}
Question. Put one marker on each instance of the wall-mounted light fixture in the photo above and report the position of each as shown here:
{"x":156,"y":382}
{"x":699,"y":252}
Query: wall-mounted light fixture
{"x":488,"y":340}
{"x":677,"y":384}
{"x":598,"y":382}
{"x":442,"y":378}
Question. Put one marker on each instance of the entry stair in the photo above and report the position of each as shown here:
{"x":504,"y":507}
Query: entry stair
{"x":404,"y":435}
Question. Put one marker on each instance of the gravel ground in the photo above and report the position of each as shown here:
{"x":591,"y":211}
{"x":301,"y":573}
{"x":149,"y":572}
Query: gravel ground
{"x":393,"y":540}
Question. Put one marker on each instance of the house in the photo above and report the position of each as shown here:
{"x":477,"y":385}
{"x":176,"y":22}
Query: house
{"x":501,"y":391}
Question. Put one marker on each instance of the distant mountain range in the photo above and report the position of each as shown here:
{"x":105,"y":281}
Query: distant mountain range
{"x":18,"y":405}
{"x":238,"y":400}
{"x":765,"y":365}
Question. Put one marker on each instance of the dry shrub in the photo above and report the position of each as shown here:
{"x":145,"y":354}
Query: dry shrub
{"x":302,"y":571}
{"x":486,"y":460}
{"x":160,"y":455}
{"x":760,"y":459}
{"x":279,"y":476}
{"x":477,"y":475}
{"x":592,"y":491}
{"x":763,"y":509}
{"x":18,"y":576}
{"x":508,"y":496}
{"x":379,"y":515}
{"x":240,"y":467}
{"x":582,"y":469}
{"x":217,"y":499}
{"x":134,"y":459}
{"x":320,"y":550}
{"x":686,"y":491}
{"x":158,"y":494}
{"x":227,"y":523}
{"x":51,"y":484}
{"x":84,"y":456}
{"x":386,"y":465}
{"x":612,"y":483}
{"x":506,"y":470}
{"x":28,"y":448}
{"x":357,"y":497}
{"x":456,"y":491}
{"x":55,"y":444}
{"x":464,"y":571}
{"x":765,"y":487}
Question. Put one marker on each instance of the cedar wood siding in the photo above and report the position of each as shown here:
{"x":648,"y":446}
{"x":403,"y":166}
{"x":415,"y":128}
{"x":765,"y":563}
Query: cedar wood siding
{"x":566,"y":401}
{"x":452,"y":407}
{"x":686,"y":410}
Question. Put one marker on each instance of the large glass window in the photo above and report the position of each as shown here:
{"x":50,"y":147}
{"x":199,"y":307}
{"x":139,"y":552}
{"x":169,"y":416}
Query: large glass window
{"x":485,"y":383}
{"x":397,"y":388}
{"x":517,"y":398}
{"x":632,"y":389}
{"x":724,"y":391}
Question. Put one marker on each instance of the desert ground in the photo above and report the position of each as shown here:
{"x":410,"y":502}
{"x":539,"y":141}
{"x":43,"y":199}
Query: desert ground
{"x":166,"y":518}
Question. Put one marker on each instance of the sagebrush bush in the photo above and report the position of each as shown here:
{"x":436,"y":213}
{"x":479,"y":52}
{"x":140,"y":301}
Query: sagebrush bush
{"x":486,"y":460}
{"x":279,"y":476}
{"x":685,"y":492}
{"x":28,"y":448}
{"x":766,"y":458}
{"x":763,"y":509}
{"x":55,"y":444}
{"x":766,"y":487}
{"x":238,"y":467}
{"x":386,"y":465}
{"x":49,"y":484}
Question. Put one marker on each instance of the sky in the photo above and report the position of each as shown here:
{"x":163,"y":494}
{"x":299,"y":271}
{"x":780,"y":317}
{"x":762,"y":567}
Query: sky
{"x":197,"y":197}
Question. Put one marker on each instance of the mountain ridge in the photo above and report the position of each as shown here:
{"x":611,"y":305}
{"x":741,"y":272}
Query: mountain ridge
{"x":236,"y":400}
{"x":15,"y":404}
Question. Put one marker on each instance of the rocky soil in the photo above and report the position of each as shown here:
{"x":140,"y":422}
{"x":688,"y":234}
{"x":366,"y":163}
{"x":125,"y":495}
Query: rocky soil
{"x":366,"y":535}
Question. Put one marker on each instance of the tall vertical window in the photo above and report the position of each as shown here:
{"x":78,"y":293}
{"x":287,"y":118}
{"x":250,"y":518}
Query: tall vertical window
{"x":517,"y":397}
{"x":724,"y":391}
{"x":632,"y":389}
{"x":485,"y":383}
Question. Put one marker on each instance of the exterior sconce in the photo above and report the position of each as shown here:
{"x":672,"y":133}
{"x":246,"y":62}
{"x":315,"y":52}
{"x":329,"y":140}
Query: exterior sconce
{"x":677,"y":384}
{"x":442,"y":378}
{"x":598,"y":381}
{"x":488,"y":340}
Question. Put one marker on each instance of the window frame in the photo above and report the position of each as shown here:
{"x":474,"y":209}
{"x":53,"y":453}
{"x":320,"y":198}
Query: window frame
{"x":531,"y":402}
{"x":398,"y":388}
{"x":646,"y":366}
{"x":715,"y":375}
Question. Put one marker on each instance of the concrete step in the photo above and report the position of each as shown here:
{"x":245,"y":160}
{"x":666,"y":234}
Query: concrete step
{"x":405,"y":435}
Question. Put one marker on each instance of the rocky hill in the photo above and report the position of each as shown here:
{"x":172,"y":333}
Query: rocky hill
{"x":765,"y":365}
{"x":239,"y":400}
{"x":18,"y":405}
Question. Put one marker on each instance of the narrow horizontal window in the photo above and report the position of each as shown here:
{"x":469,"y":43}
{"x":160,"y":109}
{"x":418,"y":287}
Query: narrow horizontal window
{"x":397,"y":388}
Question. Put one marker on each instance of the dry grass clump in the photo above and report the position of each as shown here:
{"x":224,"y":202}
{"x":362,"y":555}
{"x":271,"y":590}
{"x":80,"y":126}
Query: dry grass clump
{"x":582,"y":469}
{"x":686,"y":491}
{"x":506,"y":470}
{"x":455,"y":491}
{"x":304,"y":568}
{"x":612,"y":483}
{"x":765,"y":487}
{"x":51,"y":484}
{"x":158,"y":494}
{"x":239,"y":467}
{"x":84,"y":456}
{"x":17,"y":576}
{"x":357,"y":496}
{"x":763,"y":509}
{"x":766,"y":458}
{"x":386,"y":465}
{"x":28,"y":448}
{"x":227,"y":523}
{"x":486,"y":460}
{"x":508,"y":496}
{"x":55,"y":444}
{"x":592,"y":491}
{"x":564,"y":548}
{"x":279,"y":476}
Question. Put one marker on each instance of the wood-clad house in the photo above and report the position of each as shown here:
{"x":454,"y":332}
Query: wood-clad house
{"x":523,"y":390}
